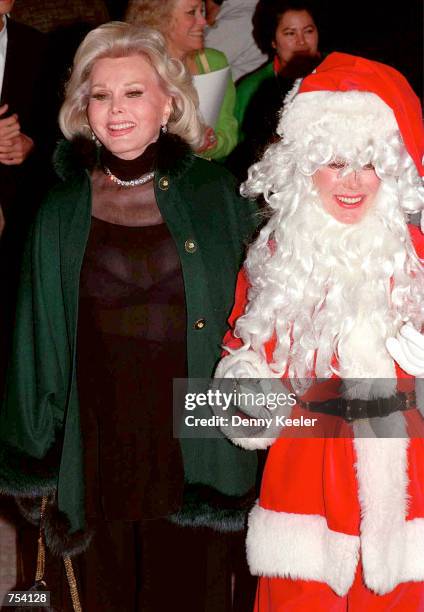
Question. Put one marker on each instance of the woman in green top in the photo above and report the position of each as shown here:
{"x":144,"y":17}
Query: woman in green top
{"x":182,"y":23}
{"x":286,"y":30}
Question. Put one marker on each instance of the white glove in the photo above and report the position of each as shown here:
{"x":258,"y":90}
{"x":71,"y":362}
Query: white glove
{"x":407,"y":349}
{"x":253,"y":376}
{"x":244,"y":364}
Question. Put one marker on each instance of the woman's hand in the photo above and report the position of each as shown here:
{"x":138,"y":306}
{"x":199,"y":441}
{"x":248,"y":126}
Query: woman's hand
{"x":407,"y":349}
{"x":209,"y":140}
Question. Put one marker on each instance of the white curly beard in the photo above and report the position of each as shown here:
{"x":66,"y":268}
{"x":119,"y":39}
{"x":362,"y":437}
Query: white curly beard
{"x":327,"y":289}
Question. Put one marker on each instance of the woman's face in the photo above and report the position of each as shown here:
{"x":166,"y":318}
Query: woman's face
{"x":296,"y":33}
{"x":346,"y":198}
{"x":127,"y":104}
{"x":185,"y":32}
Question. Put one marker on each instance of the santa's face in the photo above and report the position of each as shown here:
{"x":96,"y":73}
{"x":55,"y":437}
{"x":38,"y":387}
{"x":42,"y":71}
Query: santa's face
{"x":347,"y":198}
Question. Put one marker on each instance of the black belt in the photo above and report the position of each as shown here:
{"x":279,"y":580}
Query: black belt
{"x":352,"y":409}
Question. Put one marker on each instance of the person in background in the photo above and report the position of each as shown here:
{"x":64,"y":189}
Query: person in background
{"x":230,"y":31}
{"x":182,"y":23}
{"x":128,"y":279}
{"x":26,"y":142}
{"x":287,"y":31}
{"x":330,"y":305}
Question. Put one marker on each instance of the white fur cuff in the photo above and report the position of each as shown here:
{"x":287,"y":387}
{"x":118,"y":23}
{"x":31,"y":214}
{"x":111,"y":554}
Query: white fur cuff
{"x":300,"y":546}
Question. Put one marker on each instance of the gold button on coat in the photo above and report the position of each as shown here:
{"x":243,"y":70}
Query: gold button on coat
{"x":164,"y":183}
{"x":200,"y":324}
{"x":190,"y":245}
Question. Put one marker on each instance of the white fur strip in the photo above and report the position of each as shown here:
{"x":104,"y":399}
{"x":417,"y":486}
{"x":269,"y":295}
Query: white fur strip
{"x":253,"y":443}
{"x":297,"y":546}
{"x":392,"y":548}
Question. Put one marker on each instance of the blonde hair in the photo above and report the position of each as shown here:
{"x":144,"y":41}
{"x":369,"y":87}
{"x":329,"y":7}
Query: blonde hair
{"x":152,"y":13}
{"x":118,"y":39}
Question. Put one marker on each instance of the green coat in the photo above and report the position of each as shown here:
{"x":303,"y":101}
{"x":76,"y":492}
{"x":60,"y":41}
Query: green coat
{"x":40,"y":443}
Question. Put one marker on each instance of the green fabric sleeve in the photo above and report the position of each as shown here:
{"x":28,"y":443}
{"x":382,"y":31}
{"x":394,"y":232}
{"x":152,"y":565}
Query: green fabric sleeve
{"x":32,"y":412}
{"x":226,"y":126}
{"x":245,"y":90}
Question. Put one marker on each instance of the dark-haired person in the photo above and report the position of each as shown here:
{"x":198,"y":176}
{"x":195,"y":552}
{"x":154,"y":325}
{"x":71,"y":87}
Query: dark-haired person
{"x":286,"y":30}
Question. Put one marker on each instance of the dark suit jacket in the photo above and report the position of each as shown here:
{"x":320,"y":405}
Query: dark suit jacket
{"x":24,"y":90}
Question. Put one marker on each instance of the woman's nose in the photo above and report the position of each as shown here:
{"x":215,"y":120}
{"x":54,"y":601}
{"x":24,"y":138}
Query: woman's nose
{"x":201,"y":20}
{"x":352,"y":179}
{"x":116,"y":105}
{"x":301,"y":39}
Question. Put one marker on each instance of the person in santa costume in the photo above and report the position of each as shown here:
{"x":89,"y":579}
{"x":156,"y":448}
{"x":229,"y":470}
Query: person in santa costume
{"x":330,"y":303}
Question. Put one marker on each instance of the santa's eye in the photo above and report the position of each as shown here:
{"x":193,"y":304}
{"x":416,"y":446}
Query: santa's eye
{"x":337,"y":164}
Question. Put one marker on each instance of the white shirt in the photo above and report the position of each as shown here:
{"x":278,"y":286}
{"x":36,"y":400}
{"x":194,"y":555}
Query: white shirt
{"x":3,"y":49}
{"x":232,"y":34}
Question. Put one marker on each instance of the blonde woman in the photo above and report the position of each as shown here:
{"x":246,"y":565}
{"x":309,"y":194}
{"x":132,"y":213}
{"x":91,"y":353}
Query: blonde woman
{"x":128,"y":280}
{"x":182,"y":23}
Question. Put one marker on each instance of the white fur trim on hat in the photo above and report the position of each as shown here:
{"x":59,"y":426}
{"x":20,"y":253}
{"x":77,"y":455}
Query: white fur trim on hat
{"x":347,"y":120}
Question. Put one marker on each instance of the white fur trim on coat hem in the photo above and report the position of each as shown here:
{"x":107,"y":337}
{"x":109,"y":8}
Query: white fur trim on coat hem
{"x":253,"y":443}
{"x":392,"y":548}
{"x":300,"y":546}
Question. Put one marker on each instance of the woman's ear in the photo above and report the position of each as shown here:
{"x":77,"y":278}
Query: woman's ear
{"x":167,"y":110}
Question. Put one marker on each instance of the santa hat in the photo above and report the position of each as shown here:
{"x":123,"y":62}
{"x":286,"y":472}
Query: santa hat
{"x":351,"y":101}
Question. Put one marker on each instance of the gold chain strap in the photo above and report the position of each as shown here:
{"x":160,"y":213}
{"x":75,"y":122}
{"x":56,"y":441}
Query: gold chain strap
{"x":72,"y":583}
{"x":41,"y":552}
{"x":41,"y":562}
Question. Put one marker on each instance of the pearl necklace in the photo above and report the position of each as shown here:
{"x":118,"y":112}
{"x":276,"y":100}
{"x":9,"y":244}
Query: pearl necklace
{"x":144,"y":178}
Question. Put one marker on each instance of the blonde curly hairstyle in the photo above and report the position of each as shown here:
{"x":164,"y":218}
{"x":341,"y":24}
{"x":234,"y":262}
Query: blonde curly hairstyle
{"x":118,"y":39}
{"x":152,"y":13}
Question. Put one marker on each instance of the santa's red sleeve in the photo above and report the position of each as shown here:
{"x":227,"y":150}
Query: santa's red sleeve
{"x":417,"y":238}
{"x":240,"y":302}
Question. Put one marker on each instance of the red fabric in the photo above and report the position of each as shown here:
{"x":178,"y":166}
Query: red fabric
{"x":277,"y":65}
{"x":313,"y":476}
{"x":417,"y":238}
{"x":286,"y":595}
{"x":343,"y":72}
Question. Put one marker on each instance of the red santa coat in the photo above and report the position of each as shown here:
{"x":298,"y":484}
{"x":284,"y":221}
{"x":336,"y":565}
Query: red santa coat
{"x":325,"y":503}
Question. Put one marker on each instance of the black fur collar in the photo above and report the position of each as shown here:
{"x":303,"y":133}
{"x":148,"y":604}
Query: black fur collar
{"x":71,"y":158}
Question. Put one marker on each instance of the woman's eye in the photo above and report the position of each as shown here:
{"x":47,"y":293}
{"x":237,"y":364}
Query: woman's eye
{"x":310,"y":31}
{"x":337,"y":165}
{"x":134,"y":94}
{"x":98,"y":96}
